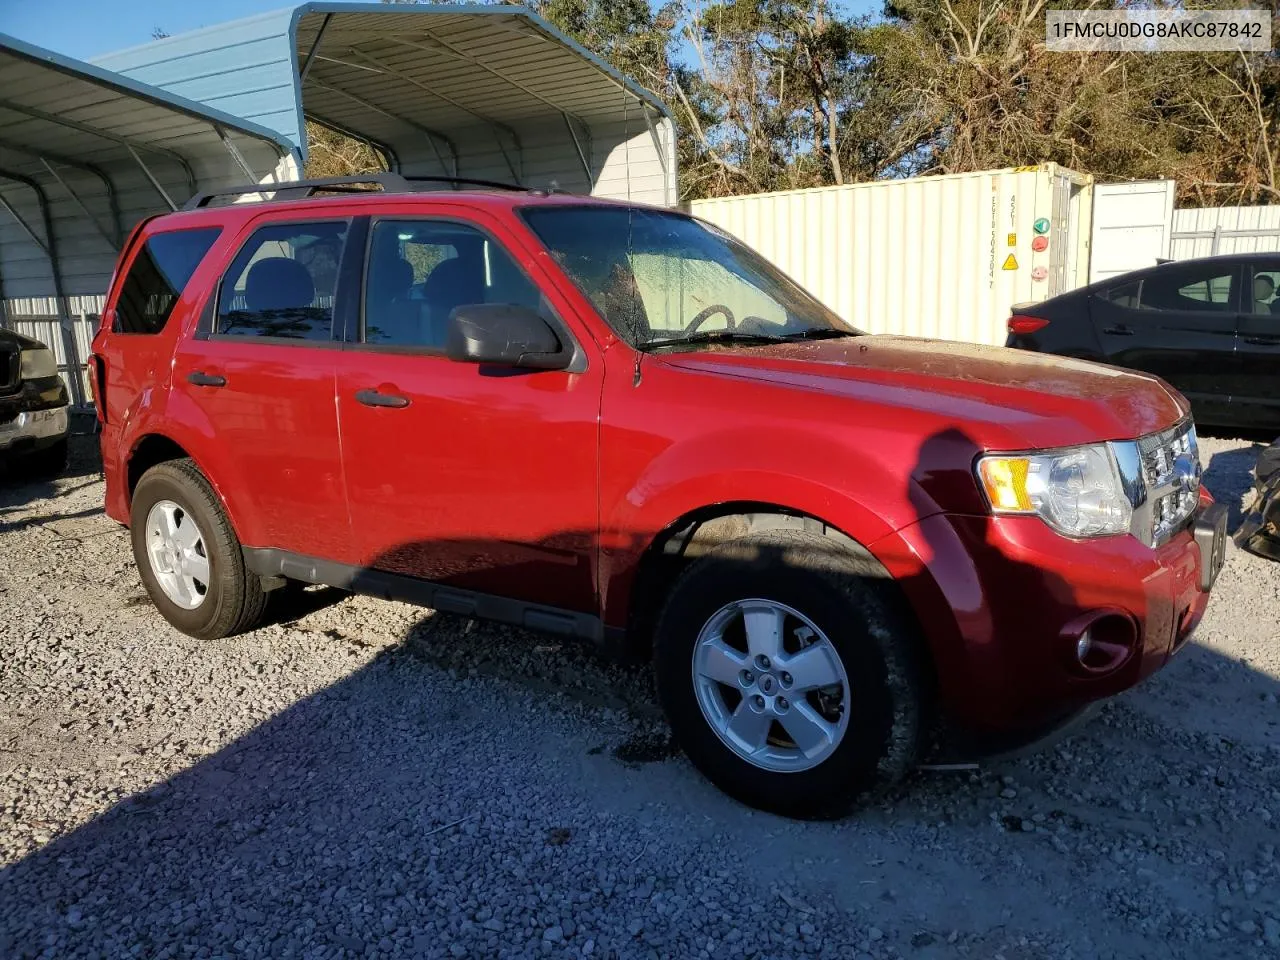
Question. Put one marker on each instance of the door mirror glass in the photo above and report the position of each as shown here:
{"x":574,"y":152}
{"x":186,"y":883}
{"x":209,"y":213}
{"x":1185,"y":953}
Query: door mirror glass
{"x":504,"y":334}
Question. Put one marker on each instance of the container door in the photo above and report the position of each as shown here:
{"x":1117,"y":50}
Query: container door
{"x":1132,"y":224}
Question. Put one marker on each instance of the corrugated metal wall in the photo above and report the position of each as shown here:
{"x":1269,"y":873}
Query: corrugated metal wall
{"x":1212,"y":230}
{"x":925,"y":256}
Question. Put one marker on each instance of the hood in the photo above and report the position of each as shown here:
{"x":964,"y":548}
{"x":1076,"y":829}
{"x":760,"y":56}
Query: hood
{"x":1032,"y":399}
{"x":10,"y":341}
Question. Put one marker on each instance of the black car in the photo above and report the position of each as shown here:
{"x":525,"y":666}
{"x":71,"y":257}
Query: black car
{"x":33,"y":407}
{"x":1210,"y":327}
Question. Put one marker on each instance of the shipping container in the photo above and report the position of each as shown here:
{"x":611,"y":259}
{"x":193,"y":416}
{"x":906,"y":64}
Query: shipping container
{"x":941,"y":257}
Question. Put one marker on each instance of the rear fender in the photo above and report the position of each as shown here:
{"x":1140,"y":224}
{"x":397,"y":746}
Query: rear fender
{"x":184,"y":423}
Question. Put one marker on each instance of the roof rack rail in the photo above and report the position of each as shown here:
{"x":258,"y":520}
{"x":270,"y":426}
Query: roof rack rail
{"x":301,"y":189}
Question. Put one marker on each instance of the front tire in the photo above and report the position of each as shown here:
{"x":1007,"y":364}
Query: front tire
{"x":789,"y":675}
{"x":188,"y":555}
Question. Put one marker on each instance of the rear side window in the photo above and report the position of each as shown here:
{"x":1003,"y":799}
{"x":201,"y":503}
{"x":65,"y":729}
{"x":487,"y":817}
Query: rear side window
{"x":1125,"y":295}
{"x":157,"y":277}
{"x":282,"y":282}
{"x":1195,"y":287}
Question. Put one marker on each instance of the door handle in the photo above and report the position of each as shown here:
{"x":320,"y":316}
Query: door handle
{"x":1263,"y":341}
{"x":202,"y":379}
{"x":1120,"y":330}
{"x":372,"y":398}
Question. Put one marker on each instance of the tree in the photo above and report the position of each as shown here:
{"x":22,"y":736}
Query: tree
{"x":332,"y":154}
{"x":779,"y":94}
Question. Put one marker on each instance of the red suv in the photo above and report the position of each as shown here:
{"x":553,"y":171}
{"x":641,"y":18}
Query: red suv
{"x":619,"y":423}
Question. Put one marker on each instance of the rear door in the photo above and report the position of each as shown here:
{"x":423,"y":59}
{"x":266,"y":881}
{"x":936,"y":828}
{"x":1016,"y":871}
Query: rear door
{"x":1177,"y":321}
{"x":1256,"y":401}
{"x":260,"y":373}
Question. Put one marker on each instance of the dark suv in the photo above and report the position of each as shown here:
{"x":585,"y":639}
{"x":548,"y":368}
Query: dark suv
{"x":619,"y":423}
{"x":33,"y":407}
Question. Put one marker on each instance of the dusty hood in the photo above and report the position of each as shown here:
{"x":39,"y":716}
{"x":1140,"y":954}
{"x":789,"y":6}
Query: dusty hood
{"x":1046,"y":401}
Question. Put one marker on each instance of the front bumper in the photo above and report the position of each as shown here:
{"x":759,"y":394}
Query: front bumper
{"x":34,"y":417}
{"x":1005,"y":601}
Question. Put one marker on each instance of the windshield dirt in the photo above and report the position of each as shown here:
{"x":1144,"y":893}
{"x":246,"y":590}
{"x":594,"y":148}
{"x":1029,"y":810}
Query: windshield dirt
{"x":666,"y":280}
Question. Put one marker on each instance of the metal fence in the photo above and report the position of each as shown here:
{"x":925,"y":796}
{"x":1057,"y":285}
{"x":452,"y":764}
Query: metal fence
{"x":1209,"y":231}
{"x":66,"y":327}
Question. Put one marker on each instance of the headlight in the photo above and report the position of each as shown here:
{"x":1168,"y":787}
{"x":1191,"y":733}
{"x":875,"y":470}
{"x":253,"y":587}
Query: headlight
{"x":1077,"y":491}
{"x":37,"y":364}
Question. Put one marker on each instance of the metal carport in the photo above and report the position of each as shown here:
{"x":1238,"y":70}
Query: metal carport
{"x":491,"y":92}
{"x":84,"y":155}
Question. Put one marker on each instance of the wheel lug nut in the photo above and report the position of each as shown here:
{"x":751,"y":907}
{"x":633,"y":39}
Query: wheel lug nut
{"x":762,"y":662}
{"x":781,"y":703}
{"x":786,"y":679}
{"x":759,"y":702}
{"x":747,"y":678}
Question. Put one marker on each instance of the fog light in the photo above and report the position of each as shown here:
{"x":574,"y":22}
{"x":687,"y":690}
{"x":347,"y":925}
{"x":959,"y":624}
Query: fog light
{"x":1101,"y":641}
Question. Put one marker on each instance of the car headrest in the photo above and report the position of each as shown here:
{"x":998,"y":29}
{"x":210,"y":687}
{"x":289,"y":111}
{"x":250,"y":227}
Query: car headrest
{"x":278,"y":283}
{"x":1263,"y":287}
{"x":453,"y":283}
{"x":390,"y":279}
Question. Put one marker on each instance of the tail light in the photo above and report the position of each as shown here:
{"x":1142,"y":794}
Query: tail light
{"x":98,"y":385}
{"x":1021,"y":323}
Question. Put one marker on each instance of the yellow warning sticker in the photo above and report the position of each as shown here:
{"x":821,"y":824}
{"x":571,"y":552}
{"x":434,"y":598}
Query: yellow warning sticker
{"x":1010,"y":263}
{"x":1013,"y":240}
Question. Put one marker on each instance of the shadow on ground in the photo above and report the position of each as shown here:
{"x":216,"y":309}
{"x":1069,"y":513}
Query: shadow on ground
{"x":1229,"y":477}
{"x":453,"y":775}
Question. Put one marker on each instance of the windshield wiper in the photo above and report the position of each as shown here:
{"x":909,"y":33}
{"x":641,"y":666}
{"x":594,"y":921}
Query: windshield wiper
{"x":714,"y":336}
{"x":820,"y":333}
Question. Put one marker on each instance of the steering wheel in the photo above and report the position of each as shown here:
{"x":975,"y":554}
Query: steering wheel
{"x":707,"y":313}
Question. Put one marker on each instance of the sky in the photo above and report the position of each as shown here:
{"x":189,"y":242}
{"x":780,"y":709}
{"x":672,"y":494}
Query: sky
{"x":88,"y":28}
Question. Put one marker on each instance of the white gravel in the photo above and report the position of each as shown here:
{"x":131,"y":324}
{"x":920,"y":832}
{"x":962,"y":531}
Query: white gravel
{"x":366,"y":778}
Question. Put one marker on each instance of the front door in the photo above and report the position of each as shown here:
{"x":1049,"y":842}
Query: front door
{"x":477,"y":477}
{"x":261,"y":374}
{"x":1256,"y":401}
{"x":1177,"y":322}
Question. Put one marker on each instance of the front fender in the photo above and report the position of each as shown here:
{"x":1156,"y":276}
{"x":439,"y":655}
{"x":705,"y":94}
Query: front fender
{"x":799,"y":471}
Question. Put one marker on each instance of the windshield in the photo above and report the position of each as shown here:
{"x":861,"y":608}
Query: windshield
{"x":664,"y":279}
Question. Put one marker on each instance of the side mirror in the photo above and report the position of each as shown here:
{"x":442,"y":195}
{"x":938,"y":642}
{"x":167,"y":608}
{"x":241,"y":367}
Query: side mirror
{"x":504,"y":334}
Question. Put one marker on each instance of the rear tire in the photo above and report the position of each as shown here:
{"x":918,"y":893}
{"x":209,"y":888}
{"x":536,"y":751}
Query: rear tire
{"x":197,"y":577}
{"x":828,"y":601}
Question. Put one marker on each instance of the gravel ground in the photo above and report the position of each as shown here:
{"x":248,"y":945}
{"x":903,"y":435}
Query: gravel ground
{"x":365,"y":778}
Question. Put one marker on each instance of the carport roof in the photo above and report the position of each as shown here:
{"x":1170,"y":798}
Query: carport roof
{"x":66,"y":111}
{"x":393,"y":73}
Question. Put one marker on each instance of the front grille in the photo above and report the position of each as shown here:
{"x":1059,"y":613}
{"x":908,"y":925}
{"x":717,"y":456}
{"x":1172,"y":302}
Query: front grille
{"x":1171,"y":473}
